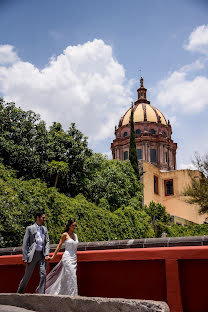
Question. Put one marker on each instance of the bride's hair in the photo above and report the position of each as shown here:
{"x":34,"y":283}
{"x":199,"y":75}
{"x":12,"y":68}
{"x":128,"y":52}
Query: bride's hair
{"x":68,"y":224}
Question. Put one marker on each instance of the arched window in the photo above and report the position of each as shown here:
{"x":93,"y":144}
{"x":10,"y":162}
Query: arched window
{"x":125,"y":134}
{"x":126,"y":155}
{"x":164,"y":134}
{"x":138,"y":131}
{"x":153,"y":156}
{"x":153,"y":131}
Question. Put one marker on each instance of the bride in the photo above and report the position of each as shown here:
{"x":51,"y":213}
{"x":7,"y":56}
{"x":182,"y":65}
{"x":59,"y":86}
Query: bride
{"x":62,"y":280}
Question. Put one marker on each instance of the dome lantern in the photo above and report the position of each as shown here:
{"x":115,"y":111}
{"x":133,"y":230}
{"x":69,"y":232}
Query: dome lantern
{"x":142,"y":93}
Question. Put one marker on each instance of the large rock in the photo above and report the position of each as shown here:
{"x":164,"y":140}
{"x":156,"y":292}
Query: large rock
{"x":45,"y":303}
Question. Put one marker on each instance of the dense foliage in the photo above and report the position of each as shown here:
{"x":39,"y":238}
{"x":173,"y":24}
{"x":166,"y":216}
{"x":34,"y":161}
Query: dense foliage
{"x":112,"y":180}
{"x":23,"y":140}
{"x":198,"y":191}
{"x":161,"y":220}
{"x":175,"y":230}
{"x":55,"y":156}
{"x":19,"y":200}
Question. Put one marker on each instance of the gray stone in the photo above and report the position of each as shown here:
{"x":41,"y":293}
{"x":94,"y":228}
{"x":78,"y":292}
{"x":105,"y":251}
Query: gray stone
{"x":204,"y":240}
{"x":155,"y":242}
{"x":45,"y":303}
{"x":125,"y":244}
{"x":185,"y":241}
{"x":8,"y":308}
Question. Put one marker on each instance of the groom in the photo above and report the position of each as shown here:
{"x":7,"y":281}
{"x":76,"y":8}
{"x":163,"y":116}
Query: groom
{"x":35,"y":251}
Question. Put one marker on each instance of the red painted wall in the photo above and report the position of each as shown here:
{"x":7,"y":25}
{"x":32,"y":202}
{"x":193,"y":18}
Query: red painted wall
{"x":177,"y":275}
{"x":123,"y":279}
{"x":194,"y":284}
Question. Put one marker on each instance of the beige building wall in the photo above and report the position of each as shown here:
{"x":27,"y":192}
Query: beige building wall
{"x":175,"y":204}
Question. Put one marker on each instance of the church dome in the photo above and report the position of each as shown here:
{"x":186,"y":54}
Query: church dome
{"x":142,"y":110}
{"x":152,"y":134}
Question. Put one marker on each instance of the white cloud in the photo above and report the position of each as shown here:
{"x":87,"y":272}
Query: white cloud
{"x":183,"y":90}
{"x":7,"y":54}
{"x":183,"y":94}
{"x":108,"y":154}
{"x":196,"y":65}
{"x":198,"y":40}
{"x":187,"y":166}
{"x":173,"y":120}
{"x":84,"y":84}
{"x":183,"y":98}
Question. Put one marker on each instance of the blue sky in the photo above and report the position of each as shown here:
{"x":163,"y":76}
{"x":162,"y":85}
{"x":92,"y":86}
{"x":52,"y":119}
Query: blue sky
{"x":78,"y":61}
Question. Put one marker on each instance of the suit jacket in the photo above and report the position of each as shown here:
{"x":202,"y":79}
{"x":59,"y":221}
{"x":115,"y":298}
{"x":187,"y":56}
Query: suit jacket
{"x":30,"y":242}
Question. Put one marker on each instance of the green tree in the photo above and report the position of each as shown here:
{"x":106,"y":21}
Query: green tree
{"x":77,"y":154}
{"x":135,"y":224}
{"x":29,"y":148}
{"x":158,"y":212}
{"x":132,"y":148}
{"x":59,"y":143}
{"x":69,"y":149}
{"x":23,"y":141}
{"x":59,"y":168}
{"x":112,"y":180}
{"x":159,"y":217}
{"x":198,"y":190}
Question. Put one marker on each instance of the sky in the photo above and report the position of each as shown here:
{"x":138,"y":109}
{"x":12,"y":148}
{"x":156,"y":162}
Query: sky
{"x":80,"y":61}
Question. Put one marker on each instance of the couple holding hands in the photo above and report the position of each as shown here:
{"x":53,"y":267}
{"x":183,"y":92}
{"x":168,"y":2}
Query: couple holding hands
{"x":62,"y":280}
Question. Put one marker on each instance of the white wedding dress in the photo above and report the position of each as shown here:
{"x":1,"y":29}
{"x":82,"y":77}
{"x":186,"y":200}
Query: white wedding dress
{"x":62,"y":280}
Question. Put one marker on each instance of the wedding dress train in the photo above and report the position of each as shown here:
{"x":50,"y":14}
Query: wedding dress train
{"x":62,"y":280}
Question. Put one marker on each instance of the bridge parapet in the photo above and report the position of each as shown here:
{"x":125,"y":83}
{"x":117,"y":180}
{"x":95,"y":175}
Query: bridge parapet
{"x":131,"y":269}
{"x":126,"y":244}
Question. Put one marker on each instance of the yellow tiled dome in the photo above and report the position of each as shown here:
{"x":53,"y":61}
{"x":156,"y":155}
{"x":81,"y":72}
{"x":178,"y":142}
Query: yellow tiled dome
{"x":144,"y":112}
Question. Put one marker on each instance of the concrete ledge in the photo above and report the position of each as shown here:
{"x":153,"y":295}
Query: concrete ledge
{"x":43,"y":303}
{"x":125,"y":244}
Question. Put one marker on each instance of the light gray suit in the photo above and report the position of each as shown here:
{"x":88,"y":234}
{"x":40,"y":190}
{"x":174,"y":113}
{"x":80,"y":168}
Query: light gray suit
{"x":34,"y":257}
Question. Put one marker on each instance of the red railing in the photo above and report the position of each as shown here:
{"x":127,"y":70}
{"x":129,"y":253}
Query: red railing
{"x":177,"y":275}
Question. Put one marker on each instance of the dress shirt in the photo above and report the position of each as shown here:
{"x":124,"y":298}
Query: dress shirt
{"x":39,"y":238}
